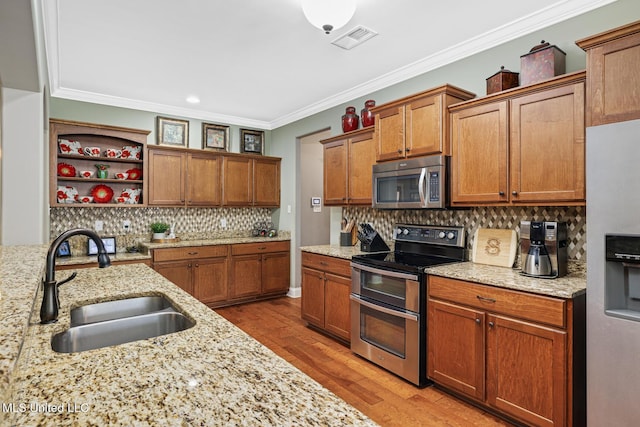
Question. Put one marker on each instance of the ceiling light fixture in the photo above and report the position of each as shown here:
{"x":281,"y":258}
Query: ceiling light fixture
{"x":328,"y":15}
{"x":192,"y":99}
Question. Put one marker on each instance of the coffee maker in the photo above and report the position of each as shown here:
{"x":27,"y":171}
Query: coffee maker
{"x":543,"y":248}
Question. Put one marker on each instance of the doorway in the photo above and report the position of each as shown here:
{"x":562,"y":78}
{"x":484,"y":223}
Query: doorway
{"x":314,"y":223}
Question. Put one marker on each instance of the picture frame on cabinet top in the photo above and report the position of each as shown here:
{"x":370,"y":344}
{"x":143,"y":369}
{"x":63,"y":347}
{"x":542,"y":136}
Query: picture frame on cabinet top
{"x":215,"y":137}
{"x":251,"y":141}
{"x":172,"y":132}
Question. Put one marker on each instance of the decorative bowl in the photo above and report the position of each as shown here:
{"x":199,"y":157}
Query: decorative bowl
{"x":121,"y":175}
{"x":86,"y":174}
{"x":85,"y":199}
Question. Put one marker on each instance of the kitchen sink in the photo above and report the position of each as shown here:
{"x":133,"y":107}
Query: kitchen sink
{"x":111,"y":310}
{"x":119,"y":331}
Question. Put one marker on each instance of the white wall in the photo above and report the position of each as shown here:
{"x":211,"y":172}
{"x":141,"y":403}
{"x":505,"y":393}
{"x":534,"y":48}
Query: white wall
{"x":24,"y":168}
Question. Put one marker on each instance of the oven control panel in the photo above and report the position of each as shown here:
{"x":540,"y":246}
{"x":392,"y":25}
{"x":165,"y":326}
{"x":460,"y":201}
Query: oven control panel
{"x":434,"y":234}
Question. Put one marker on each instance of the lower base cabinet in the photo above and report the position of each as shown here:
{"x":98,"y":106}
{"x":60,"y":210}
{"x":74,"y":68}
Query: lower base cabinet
{"x":326,"y":286}
{"x":521,"y":355}
{"x":220,"y":275}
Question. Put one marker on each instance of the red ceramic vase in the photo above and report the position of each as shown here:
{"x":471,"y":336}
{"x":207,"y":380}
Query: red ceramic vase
{"x":366,"y":115}
{"x":350,"y":120}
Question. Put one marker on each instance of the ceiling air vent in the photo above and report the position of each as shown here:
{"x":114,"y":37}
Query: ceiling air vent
{"x":354,"y":37}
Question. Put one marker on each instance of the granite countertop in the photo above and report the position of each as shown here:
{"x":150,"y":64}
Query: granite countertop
{"x":90,"y":259}
{"x":210,"y":374}
{"x":569,"y":286}
{"x":216,"y":241}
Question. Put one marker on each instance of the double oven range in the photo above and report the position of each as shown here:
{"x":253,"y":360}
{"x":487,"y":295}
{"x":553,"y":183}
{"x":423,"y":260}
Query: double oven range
{"x":389,"y":297}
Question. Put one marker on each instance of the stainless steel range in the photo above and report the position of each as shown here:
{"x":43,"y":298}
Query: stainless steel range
{"x":389,"y":295}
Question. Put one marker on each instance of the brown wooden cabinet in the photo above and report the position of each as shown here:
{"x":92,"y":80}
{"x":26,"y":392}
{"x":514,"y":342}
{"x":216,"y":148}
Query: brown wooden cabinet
{"x":416,"y":125}
{"x":326,"y":286}
{"x":613,"y":60}
{"x":521,"y":146}
{"x":180,"y":177}
{"x":199,"y":270}
{"x":259,"y":269}
{"x":103,"y":137}
{"x":518,"y":353}
{"x":348,"y":159}
{"x":251,"y":181}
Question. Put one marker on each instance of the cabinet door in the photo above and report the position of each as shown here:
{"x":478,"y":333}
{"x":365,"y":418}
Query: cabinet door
{"x":455,"y":347}
{"x":246,"y":273}
{"x":337,"y":312}
{"x":335,"y":173}
{"x":479,"y":155}
{"x":275,"y":272}
{"x":424,"y":126}
{"x":312,"y":304}
{"x":203,"y":184}
{"x":210,"y":279}
{"x":166,"y":178}
{"x":177,"y":272}
{"x":237,"y":181}
{"x":389,"y":133}
{"x":362,"y":156}
{"x":527,"y":371}
{"x":547,"y":146}
{"x":266,"y":185}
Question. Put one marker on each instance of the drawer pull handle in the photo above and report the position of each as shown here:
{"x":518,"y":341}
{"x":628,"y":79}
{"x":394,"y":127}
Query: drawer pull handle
{"x":192,"y":253}
{"x":485,"y":299}
{"x":262,"y":248}
{"x":323,"y":263}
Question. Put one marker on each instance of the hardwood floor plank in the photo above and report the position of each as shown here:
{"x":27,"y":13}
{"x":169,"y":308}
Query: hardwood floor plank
{"x":385,"y":398}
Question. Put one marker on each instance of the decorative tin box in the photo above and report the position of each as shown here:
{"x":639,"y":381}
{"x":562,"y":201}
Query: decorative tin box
{"x":542,"y":62}
{"x":502,"y":80}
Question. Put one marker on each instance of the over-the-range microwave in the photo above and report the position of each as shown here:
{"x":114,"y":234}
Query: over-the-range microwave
{"x":410,"y":184}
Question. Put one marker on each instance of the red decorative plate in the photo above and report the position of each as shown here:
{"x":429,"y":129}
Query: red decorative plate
{"x":66,"y":170}
{"x":102,"y":193}
{"x":134,"y":173}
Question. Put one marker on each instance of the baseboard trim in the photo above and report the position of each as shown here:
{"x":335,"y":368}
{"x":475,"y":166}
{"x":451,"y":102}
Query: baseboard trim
{"x":294,"y":292}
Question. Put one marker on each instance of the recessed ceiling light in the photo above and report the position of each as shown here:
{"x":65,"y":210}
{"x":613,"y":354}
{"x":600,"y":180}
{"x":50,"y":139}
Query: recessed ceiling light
{"x":192,"y":99}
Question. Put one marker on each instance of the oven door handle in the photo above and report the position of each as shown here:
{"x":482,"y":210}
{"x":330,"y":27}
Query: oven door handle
{"x":385,"y":310}
{"x":384,"y":272}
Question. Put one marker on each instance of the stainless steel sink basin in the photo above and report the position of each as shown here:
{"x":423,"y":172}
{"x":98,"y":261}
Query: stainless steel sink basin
{"x":119,"y":331}
{"x":110,"y":310}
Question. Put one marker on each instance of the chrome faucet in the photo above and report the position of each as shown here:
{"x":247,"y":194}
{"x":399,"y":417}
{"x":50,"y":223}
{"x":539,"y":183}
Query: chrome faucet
{"x":50,"y":300}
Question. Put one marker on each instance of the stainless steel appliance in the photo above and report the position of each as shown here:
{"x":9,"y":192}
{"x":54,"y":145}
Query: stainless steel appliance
{"x":543,"y":248}
{"x":613,"y":312}
{"x":388,"y":297}
{"x":410,"y":184}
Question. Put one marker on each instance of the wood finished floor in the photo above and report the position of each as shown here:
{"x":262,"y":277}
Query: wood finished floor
{"x":383,"y":397}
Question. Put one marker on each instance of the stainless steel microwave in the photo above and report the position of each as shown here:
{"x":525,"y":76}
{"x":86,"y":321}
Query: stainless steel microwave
{"x":410,"y":184}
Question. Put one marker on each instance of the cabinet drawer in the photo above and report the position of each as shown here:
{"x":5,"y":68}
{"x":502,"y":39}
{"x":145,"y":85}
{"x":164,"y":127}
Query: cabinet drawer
{"x":189,"y":252}
{"x":259,"y":248}
{"x":514,"y":303}
{"x":339,"y":266}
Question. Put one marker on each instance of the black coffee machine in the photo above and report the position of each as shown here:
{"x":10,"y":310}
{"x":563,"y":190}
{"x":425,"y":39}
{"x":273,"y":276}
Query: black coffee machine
{"x":543,"y":248}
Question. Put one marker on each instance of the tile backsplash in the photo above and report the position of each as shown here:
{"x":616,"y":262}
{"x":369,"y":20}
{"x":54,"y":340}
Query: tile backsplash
{"x":480,"y":217}
{"x":189,"y":222}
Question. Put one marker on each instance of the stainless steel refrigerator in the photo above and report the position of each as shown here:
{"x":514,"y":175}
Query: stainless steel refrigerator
{"x":613,"y":287}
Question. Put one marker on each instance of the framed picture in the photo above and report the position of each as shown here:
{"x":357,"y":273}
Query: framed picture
{"x":251,"y":141}
{"x":64,"y":249}
{"x":215,"y":137}
{"x":172,"y":131}
{"x":109,"y":245}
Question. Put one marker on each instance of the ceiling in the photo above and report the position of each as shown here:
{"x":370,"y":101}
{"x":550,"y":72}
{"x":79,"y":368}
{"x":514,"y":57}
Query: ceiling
{"x":259,"y":63}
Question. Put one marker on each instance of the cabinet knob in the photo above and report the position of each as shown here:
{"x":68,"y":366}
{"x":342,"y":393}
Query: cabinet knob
{"x":197,"y":265}
{"x":188,"y":265}
{"x":501,"y":193}
{"x":407,"y":149}
{"x":491,"y":324}
{"x":399,"y":151}
{"x":478,"y":321}
{"x":514,"y":193}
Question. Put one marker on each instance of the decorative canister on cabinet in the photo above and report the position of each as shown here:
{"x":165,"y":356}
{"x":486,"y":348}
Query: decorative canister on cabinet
{"x":366,"y":116}
{"x":350,"y":120}
{"x":502,"y":80}
{"x":542,"y":62}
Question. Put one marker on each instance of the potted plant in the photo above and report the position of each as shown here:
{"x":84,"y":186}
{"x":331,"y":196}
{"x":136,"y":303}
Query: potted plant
{"x":159,"y":229}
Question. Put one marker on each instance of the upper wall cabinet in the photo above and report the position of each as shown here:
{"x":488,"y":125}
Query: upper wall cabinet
{"x":522,"y":146}
{"x":348,"y":159}
{"x":416,"y":125}
{"x":96,"y":165}
{"x":250,"y":181}
{"x":613,"y":61}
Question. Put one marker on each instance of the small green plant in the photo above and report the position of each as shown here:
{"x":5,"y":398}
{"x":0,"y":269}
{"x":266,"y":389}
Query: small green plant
{"x":159,"y":227}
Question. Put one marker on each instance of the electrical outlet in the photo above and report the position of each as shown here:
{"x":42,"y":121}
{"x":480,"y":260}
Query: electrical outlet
{"x":99,"y":225}
{"x":223,"y":222}
{"x":126,"y":225}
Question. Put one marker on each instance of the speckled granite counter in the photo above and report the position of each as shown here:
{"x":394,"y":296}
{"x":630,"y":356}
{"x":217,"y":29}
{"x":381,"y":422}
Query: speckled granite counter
{"x":219,"y":241}
{"x":118,"y":257}
{"x":337,"y":251}
{"x":569,"y":286}
{"x":211,"y":374}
